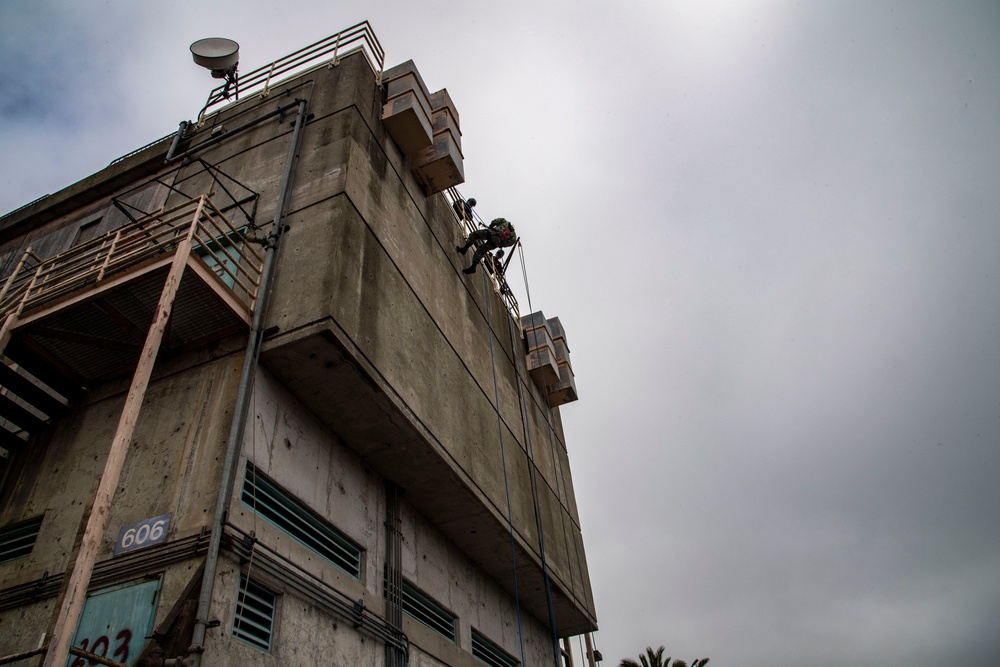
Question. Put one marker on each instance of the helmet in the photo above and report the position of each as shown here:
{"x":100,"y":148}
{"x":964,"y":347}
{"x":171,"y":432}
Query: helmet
{"x":471,"y":201}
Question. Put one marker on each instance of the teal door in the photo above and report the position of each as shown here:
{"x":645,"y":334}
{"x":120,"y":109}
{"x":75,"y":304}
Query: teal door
{"x":116,"y":621}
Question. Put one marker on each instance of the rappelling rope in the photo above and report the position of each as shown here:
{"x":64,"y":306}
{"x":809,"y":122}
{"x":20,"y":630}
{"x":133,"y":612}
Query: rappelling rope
{"x":534,"y":469}
{"x":503,"y":461}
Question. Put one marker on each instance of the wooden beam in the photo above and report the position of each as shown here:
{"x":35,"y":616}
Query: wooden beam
{"x":6,"y":329}
{"x":16,"y":414}
{"x":76,"y":591}
{"x":42,"y":364}
{"x":222,"y":291}
{"x":92,"y":291}
{"x":119,"y":319}
{"x":21,"y":386}
{"x":591,"y":662}
{"x":11,"y":441}
{"x":83,"y":339}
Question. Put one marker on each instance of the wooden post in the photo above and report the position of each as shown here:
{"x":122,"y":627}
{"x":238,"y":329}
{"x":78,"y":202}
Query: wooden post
{"x":8,"y":325}
{"x":11,"y":319}
{"x":76,"y":592}
{"x":568,"y":649}
{"x":17,"y":271}
{"x":590,"y":650}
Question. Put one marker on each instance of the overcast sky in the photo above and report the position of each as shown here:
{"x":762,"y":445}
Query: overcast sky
{"x":770,"y":229}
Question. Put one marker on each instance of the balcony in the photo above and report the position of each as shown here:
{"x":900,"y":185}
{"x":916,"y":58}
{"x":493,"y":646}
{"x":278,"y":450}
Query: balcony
{"x":82,"y":316}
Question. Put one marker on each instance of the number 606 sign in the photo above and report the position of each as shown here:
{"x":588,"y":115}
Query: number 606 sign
{"x":142,"y":534}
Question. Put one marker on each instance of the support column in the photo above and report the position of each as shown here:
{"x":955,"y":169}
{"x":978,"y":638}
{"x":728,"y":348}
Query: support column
{"x":590,"y":650}
{"x":79,"y":580}
{"x":568,"y":652}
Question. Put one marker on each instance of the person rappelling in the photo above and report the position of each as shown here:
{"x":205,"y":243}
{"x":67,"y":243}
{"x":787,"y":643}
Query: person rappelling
{"x":499,"y":234}
{"x":463,"y":208}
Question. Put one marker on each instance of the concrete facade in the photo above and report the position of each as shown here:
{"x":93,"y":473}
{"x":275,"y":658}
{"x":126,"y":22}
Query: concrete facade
{"x":376,"y":372}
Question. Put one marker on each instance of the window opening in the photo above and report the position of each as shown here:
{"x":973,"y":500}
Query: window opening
{"x":253,"y":621}
{"x":280,"y":508}
{"x":489,"y":653}
{"x":18,"y":540}
{"x":87,"y":231}
{"x":225,"y":248}
{"x":428,"y":612}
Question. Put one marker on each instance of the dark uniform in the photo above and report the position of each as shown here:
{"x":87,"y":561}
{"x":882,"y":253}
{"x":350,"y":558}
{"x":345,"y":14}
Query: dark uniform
{"x":500,"y":234}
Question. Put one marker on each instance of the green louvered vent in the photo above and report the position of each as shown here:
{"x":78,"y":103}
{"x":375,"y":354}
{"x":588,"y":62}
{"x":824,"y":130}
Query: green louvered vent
{"x":489,"y":653}
{"x":428,"y":612}
{"x":17,"y":541}
{"x":254,"y":619}
{"x":282,"y":509}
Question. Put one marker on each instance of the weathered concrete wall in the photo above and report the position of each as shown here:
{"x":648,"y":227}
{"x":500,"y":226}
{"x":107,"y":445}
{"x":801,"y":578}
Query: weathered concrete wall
{"x":303,"y":634}
{"x":368,"y":256}
{"x":381,"y":370}
{"x":434,"y":564}
{"x":173,"y":466}
{"x":370,"y":261}
{"x":291,"y":446}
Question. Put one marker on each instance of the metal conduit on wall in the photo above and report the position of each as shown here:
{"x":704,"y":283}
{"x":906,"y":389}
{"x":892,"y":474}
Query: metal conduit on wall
{"x":280,"y":568}
{"x":247,"y":376}
{"x":393,"y":571}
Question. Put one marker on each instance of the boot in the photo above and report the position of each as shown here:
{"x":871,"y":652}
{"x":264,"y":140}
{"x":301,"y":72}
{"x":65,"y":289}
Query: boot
{"x":462,"y":249}
{"x":470,"y":270}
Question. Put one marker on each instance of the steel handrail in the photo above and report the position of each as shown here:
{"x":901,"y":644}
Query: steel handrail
{"x":260,"y":80}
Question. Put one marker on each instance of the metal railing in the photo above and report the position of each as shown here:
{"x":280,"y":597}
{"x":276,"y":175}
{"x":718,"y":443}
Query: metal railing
{"x":17,"y":282}
{"x":222,"y":247}
{"x":259,"y":81}
{"x":494,"y":267}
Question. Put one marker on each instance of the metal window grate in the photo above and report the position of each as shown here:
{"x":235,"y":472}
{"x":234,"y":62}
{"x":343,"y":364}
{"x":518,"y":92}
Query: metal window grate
{"x":18,"y":540}
{"x":286,"y":512}
{"x":489,"y":653}
{"x":254,"y":619}
{"x":428,"y":612}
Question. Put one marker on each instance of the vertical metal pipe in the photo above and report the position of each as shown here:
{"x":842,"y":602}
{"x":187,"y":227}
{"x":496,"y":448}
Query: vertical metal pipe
{"x":181,"y":129}
{"x":236,"y":430}
{"x":394,"y":657}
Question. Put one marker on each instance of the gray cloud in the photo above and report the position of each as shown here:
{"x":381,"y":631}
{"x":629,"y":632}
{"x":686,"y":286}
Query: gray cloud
{"x":770,"y":230}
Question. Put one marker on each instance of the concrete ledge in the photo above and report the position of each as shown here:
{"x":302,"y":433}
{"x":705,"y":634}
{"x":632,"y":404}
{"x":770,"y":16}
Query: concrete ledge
{"x":440,"y":165}
{"x":406,"y":120}
{"x":320,"y":366}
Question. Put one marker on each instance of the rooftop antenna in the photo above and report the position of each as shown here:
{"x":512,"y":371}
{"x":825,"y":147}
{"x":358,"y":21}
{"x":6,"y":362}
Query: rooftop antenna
{"x":221,"y":56}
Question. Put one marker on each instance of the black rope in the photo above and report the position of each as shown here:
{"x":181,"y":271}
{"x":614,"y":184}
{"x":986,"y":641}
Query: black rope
{"x":503,"y":461}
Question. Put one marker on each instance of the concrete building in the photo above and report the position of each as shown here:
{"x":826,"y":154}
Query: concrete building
{"x":253,"y":413}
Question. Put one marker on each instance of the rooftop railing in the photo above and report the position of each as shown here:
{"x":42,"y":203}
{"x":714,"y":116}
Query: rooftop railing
{"x":359,"y":37}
